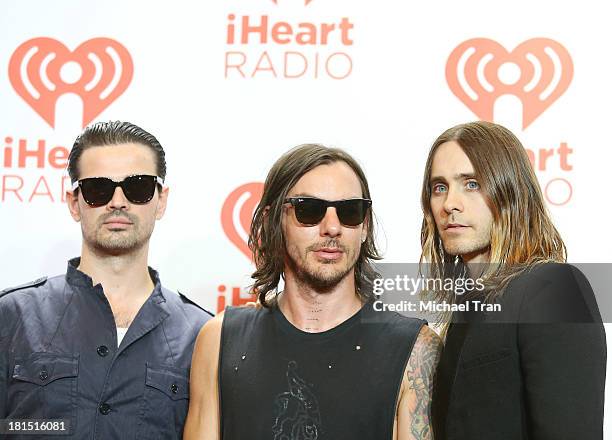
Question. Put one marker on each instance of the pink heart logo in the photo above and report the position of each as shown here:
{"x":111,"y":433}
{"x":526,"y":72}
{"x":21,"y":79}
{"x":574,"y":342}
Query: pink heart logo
{"x":538,"y":72}
{"x":237,"y":214}
{"x":43,"y":69}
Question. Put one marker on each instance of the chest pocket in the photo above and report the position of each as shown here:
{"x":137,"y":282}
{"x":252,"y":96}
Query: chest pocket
{"x":44,"y":386}
{"x":487,"y":358}
{"x":165,"y":402}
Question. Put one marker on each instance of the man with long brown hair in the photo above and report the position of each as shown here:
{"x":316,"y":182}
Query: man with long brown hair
{"x":535,"y":369}
{"x":315,"y":362}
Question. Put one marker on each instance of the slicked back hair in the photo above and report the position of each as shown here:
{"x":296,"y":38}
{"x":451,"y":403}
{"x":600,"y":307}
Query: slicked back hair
{"x":114,"y":133}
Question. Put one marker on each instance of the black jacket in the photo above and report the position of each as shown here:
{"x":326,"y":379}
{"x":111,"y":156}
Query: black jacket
{"x":534,"y":371}
{"x":59,"y":359}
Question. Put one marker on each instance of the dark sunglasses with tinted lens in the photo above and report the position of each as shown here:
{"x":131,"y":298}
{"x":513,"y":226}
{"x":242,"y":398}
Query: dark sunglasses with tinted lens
{"x":310,"y":210}
{"x":98,"y":191}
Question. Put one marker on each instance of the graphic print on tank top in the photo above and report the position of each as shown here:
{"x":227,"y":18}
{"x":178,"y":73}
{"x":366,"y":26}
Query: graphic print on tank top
{"x":297,"y":415}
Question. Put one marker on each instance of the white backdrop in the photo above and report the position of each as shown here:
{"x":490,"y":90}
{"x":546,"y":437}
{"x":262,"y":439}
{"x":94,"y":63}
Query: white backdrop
{"x":383,"y":82}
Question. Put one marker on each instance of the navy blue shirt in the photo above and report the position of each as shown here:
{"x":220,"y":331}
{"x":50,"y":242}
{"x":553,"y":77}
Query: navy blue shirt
{"x":59,"y":359}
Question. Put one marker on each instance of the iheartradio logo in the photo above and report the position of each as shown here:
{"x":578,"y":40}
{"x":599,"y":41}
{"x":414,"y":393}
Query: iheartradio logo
{"x":537,"y":71}
{"x":237,"y":213}
{"x":287,"y":47}
{"x":41,"y":70}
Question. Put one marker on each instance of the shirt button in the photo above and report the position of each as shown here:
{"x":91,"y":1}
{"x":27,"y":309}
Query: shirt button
{"x":104,"y":408}
{"x":102,"y":350}
{"x":43,"y":375}
{"x":174,"y":388}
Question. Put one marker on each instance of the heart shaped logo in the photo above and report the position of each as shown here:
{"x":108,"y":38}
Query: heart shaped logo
{"x":43,"y":69}
{"x":538,"y":72}
{"x":237,"y":214}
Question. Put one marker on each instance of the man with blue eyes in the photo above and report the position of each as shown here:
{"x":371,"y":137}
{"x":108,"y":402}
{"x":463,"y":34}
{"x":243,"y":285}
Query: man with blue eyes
{"x":315,"y":362}
{"x":534,"y":369}
{"x":102,"y":352}
{"x":461,"y":212}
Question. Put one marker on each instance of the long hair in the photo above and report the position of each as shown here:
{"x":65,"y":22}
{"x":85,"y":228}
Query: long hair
{"x":522,"y":233}
{"x":266,"y":239}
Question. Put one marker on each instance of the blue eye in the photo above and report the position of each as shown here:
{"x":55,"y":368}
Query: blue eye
{"x":439,"y":188}
{"x":472,"y":184}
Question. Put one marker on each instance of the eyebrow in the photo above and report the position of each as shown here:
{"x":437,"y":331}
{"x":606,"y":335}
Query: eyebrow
{"x":460,"y":176}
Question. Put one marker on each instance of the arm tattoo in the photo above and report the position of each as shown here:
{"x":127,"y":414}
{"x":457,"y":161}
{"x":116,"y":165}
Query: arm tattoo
{"x":420,"y":372}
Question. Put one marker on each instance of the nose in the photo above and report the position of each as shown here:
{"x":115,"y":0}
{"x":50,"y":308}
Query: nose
{"x":453,"y":201}
{"x":119,"y":201}
{"x":330,"y":226}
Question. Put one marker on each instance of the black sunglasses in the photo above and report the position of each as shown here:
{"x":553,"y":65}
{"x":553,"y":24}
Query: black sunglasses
{"x":310,"y":210}
{"x":98,"y":191}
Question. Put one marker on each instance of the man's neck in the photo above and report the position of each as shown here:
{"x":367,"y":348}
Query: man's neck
{"x":123,"y":277}
{"x":476,"y":263}
{"x":316,"y":312}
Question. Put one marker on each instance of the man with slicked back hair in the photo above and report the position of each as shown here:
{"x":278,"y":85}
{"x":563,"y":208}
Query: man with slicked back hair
{"x":103,"y":351}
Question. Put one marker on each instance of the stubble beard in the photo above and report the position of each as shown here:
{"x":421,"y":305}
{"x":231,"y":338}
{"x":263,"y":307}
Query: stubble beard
{"x":117,"y":242}
{"x":318,"y":278}
{"x":460,"y":247}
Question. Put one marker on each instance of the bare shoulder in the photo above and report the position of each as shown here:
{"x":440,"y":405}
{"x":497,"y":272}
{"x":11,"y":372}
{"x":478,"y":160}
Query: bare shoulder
{"x":421,"y":366}
{"x":204,"y":364}
{"x":210,"y":333}
{"x":428,"y":343}
{"x":423,"y":361}
{"x":208,"y":342}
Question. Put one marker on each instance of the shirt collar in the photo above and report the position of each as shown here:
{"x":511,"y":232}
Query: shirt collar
{"x":76,"y":278}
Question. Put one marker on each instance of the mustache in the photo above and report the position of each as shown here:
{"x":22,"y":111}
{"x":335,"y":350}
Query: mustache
{"x":331,"y":243}
{"x":117,"y":213}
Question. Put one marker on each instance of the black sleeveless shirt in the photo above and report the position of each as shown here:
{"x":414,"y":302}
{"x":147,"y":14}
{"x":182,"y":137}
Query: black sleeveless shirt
{"x":277,"y":382}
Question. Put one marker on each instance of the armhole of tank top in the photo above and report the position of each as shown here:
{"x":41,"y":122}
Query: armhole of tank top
{"x":232,"y":318}
{"x":418,"y":326}
{"x":224,"y":324}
